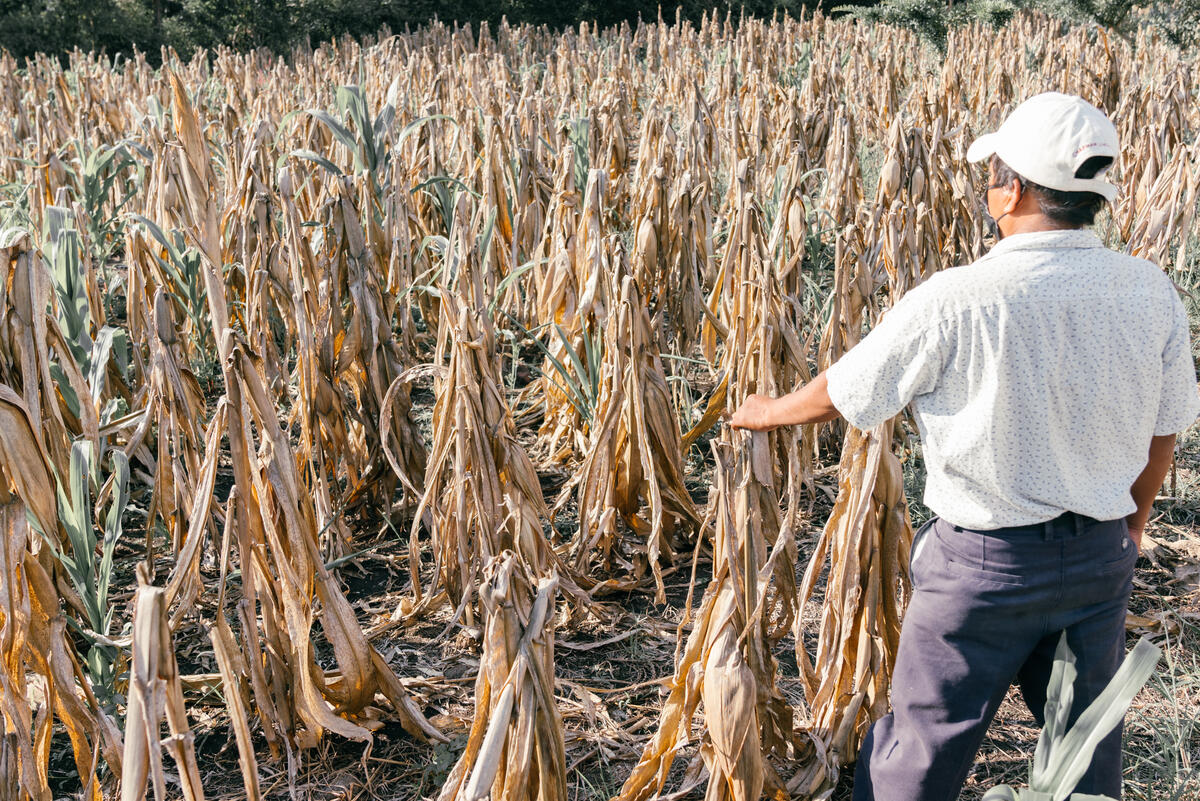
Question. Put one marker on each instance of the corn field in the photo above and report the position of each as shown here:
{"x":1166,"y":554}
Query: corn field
{"x":475,"y":301}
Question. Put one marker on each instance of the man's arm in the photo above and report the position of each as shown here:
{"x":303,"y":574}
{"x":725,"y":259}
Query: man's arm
{"x":809,"y":404}
{"x":1147,"y":485}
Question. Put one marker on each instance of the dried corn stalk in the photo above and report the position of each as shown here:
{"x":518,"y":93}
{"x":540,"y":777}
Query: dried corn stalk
{"x":285,"y":585}
{"x":36,"y":657}
{"x":865,"y":544}
{"x":283,"y":571}
{"x":1169,"y":211}
{"x":320,"y":301}
{"x":633,"y":471}
{"x":348,"y":362}
{"x":155,"y":693}
{"x":727,"y":661}
{"x":515,"y":748}
{"x":576,"y":307}
{"x":481,"y":490}
{"x":175,"y":402}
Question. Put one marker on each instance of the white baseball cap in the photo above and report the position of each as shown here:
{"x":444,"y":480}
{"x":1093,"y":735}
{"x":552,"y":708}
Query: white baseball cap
{"x":1048,"y":137}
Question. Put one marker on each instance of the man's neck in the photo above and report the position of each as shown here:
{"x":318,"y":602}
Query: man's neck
{"x":1033,"y":223}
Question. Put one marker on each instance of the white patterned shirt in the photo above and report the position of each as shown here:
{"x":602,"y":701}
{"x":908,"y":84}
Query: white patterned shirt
{"x":1037,"y":376}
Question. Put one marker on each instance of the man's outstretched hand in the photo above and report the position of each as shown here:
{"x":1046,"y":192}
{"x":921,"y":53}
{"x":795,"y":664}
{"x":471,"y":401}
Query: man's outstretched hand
{"x":809,"y":404}
{"x":754,"y":414}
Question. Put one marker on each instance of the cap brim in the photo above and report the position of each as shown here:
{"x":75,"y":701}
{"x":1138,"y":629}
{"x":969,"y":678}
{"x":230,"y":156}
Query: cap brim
{"x":981,"y":148}
{"x":1102,"y":187}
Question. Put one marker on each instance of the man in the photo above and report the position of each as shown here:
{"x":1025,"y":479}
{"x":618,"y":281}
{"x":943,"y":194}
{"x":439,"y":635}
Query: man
{"x":1048,"y":381}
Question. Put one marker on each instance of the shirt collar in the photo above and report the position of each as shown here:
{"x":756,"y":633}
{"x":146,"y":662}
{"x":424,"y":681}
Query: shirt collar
{"x":1045,"y":240}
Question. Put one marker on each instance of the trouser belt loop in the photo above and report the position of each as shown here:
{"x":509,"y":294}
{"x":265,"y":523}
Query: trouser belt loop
{"x":1048,"y":529}
{"x":1079,"y":523}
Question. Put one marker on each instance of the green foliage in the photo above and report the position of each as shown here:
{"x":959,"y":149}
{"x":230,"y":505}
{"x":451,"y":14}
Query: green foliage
{"x":183,"y":266}
{"x":104,"y":182}
{"x":932,"y":20}
{"x":1178,"y":21}
{"x":88,"y":561}
{"x":57,"y":26}
{"x":581,"y":380}
{"x":1062,"y":757}
{"x":63,"y":255}
{"x":14,"y":206}
{"x":577,"y":134}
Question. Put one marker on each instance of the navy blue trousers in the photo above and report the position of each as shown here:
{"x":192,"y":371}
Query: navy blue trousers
{"x":987,"y":611}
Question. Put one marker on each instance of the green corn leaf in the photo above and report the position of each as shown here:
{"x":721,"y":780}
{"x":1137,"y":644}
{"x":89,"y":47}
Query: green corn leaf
{"x":485,"y":240}
{"x":583,"y":382}
{"x":98,"y":361}
{"x":112,"y":533}
{"x":317,"y":158}
{"x":10,"y":236}
{"x":339,"y":131}
{"x":438,"y":180}
{"x":1074,"y":753}
{"x":412,"y":127}
{"x":75,"y":514}
{"x":513,"y":276}
{"x":352,"y":103}
{"x":383,"y":123}
{"x":574,"y":396}
{"x":64,"y":388}
{"x":158,"y":235}
{"x":1059,"y":696}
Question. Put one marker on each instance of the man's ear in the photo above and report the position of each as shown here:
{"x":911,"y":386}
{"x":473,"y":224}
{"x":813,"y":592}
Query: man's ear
{"x":1014,"y":194}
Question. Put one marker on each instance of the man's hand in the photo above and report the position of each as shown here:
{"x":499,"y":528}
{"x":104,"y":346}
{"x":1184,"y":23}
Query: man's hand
{"x":1136,"y":536}
{"x":755,"y":414}
{"x":809,"y":404}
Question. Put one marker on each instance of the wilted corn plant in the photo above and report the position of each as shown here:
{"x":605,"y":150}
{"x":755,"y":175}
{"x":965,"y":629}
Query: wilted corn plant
{"x":42,"y":521}
{"x":1168,"y":211}
{"x":286,"y":588}
{"x":155,"y":693}
{"x":573,"y":301}
{"x":727,"y":662}
{"x":282,"y":570}
{"x":865,"y":545}
{"x":347,"y":361}
{"x":38,"y":657}
{"x":515,"y":748}
{"x":482,"y":494}
{"x":633,"y":471}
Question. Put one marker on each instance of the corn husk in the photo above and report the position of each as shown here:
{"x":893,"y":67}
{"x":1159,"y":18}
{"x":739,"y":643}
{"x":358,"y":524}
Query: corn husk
{"x":515,"y":747}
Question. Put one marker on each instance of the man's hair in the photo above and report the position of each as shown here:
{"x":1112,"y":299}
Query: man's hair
{"x":1068,"y":208}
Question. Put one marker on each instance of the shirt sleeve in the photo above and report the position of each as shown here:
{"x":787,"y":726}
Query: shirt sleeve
{"x":900,"y":359}
{"x":1179,"y":401}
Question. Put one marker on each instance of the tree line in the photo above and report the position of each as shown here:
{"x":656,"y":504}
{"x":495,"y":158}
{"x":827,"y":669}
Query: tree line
{"x":58,"y":26}
{"x":118,"y":26}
